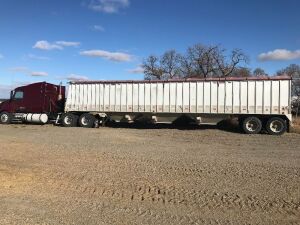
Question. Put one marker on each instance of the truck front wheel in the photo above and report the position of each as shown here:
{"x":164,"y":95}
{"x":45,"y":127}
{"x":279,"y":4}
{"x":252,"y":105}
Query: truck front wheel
{"x":69,"y":120}
{"x":5,"y":118}
{"x":252,"y":125}
{"x":87,"y":120}
{"x":276,"y":126}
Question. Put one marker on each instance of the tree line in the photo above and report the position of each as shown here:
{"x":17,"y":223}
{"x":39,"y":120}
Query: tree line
{"x":203,"y":61}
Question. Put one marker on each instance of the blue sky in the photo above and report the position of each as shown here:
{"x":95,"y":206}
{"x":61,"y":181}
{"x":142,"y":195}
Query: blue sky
{"x":57,"y":40}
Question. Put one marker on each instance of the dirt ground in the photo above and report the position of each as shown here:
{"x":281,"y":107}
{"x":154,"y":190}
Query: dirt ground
{"x":127,"y":175}
{"x":296,"y":125}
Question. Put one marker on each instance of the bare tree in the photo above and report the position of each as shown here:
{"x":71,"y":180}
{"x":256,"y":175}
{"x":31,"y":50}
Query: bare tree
{"x":226,"y":67}
{"x":152,"y":69}
{"x":241,"y":72}
{"x":296,"y":96}
{"x":165,"y":67}
{"x":201,"y":59}
{"x":170,"y":64}
{"x":186,"y":67}
{"x":259,"y":72}
{"x":293,"y":71}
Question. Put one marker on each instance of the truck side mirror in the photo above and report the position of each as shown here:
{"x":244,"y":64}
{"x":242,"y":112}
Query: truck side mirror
{"x":11,"y":95}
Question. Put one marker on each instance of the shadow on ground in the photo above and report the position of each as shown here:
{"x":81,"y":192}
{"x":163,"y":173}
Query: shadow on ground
{"x":226,"y":125}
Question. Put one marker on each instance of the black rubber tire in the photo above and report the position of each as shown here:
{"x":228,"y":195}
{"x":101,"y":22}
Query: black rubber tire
{"x":7,"y":116}
{"x":257,"y":125}
{"x":280,"y":122}
{"x":241,"y":121}
{"x":87,"y":120}
{"x":69,"y":120}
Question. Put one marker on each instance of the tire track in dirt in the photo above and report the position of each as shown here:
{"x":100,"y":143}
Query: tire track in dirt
{"x":148,"y":177}
{"x":143,"y":214}
{"x":188,"y":198}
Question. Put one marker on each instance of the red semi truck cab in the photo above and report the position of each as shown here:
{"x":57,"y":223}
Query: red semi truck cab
{"x":34,"y":99}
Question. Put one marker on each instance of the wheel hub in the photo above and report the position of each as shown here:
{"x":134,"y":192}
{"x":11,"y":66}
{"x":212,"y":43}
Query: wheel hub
{"x":4,"y":118}
{"x":85,"y":121}
{"x":276,"y":126}
{"x":251,"y":125}
{"x":68,"y":120}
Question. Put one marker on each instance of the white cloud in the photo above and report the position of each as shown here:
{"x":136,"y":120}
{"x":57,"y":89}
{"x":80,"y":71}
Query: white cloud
{"x":20,"y":69}
{"x":279,"y":55}
{"x":113,"y":56}
{"x":25,"y":70}
{"x":76,"y":77}
{"x":31,"y":56}
{"x":58,"y":45}
{"x":38,"y":74}
{"x":137,"y":70}
{"x":45,"y":45}
{"x":73,"y":77}
{"x":108,"y":6}
{"x":67,"y":43}
{"x":98,"y":28}
{"x":1,"y":56}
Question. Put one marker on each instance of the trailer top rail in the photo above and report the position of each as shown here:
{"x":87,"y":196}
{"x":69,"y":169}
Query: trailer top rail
{"x":183,"y":80}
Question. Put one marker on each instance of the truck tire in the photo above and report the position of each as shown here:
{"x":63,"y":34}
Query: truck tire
{"x":69,"y":120}
{"x":5,"y":118}
{"x":87,"y":120}
{"x":276,"y":126}
{"x":252,"y":125}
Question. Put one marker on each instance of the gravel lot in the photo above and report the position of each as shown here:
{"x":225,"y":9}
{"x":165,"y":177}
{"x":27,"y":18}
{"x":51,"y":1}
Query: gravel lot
{"x":122,"y":175}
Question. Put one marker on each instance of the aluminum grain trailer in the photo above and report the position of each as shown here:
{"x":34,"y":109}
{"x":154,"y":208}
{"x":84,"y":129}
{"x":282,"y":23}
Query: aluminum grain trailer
{"x":258,"y":103}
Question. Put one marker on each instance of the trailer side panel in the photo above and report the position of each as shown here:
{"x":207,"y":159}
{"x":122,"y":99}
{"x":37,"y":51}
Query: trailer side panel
{"x":260,"y":97}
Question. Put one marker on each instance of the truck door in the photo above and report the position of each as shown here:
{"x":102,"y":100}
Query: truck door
{"x":17,"y":102}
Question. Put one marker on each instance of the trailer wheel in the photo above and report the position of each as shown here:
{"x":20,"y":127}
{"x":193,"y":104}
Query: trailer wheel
{"x":241,"y":122}
{"x":276,"y":126}
{"x":87,"y":120}
{"x":252,"y":125}
{"x":69,"y":120}
{"x":5,"y":118}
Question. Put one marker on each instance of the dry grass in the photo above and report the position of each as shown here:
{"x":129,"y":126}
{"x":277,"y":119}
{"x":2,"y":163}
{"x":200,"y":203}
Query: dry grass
{"x":296,"y":125}
{"x":296,"y":121}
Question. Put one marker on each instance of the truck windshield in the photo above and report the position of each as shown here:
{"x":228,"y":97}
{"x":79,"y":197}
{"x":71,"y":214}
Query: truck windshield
{"x":18,"y":95}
